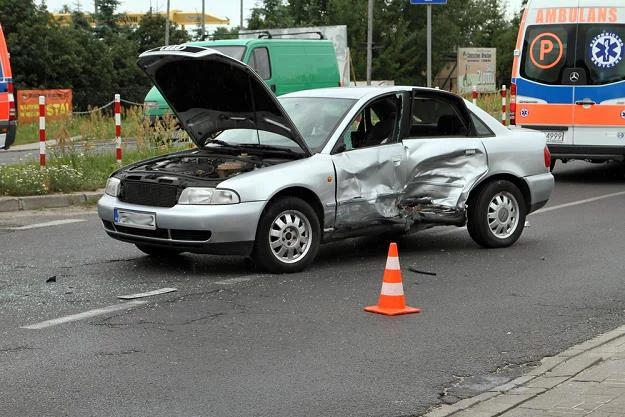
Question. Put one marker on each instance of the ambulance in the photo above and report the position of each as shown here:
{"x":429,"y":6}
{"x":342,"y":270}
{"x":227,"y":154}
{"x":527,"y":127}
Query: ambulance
{"x":8,"y":116}
{"x":568,"y":77}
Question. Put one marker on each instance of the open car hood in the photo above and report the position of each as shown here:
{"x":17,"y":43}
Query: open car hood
{"x":210,"y":92}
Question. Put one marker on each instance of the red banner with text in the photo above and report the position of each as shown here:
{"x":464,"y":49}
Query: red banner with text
{"x":58,"y":104}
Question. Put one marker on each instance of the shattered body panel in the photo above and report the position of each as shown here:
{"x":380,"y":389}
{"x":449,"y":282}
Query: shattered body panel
{"x":418,"y":180}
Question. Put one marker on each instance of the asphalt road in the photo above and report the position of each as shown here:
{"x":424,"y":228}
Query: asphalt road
{"x":234,"y":342}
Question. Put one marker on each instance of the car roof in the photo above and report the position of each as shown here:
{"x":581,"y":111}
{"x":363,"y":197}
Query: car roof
{"x":356,"y":93}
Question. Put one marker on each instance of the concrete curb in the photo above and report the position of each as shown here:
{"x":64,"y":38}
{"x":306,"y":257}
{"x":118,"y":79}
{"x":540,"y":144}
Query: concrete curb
{"x":555,"y":370}
{"x":8,"y":204}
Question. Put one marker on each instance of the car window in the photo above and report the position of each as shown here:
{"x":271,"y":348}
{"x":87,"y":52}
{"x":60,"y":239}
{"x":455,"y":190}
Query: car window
{"x":376,"y":124}
{"x":481,"y":129}
{"x":316,"y":118}
{"x":259,"y":61}
{"x":433,"y":116}
{"x":235,"y":52}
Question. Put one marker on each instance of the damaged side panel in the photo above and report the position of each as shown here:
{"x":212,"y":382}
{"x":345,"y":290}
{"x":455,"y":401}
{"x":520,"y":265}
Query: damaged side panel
{"x":368,"y":186}
{"x":419,"y":181}
{"x":438,"y":175}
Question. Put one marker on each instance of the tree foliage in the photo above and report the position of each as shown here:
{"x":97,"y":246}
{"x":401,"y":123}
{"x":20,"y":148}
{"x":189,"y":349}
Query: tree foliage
{"x":399,"y":32}
{"x":95,"y":62}
{"x":100,"y":62}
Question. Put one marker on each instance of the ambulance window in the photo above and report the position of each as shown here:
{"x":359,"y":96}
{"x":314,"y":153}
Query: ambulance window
{"x":546,"y":52}
{"x":603,"y":49}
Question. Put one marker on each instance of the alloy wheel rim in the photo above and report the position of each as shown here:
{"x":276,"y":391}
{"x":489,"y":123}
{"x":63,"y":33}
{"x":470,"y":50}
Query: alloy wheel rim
{"x":503,"y":215}
{"x":290,"y":236}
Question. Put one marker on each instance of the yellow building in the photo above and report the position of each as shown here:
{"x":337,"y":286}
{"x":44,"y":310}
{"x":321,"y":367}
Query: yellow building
{"x":134,"y":18}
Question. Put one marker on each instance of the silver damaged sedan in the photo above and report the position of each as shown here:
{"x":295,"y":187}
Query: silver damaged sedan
{"x":273,"y":178}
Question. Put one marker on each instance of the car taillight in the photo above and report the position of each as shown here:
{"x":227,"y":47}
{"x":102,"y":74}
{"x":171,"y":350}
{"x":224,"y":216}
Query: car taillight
{"x":547,"y":157}
{"x":12,"y":112}
{"x":513,"y":104}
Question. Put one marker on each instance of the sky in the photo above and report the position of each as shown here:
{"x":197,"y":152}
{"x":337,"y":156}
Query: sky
{"x":221,"y":8}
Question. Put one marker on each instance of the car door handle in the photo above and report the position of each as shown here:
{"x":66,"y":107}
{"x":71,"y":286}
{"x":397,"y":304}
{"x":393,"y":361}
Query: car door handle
{"x":585,"y":102}
{"x":396,"y":160}
{"x":470,"y":152}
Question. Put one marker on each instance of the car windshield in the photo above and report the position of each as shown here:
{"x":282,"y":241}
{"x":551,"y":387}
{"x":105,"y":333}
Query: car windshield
{"x":315,"y":118}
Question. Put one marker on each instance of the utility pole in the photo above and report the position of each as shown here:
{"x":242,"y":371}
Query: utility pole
{"x":202,"y":26}
{"x":167,"y":25}
{"x":429,"y":46}
{"x":369,"y":39}
{"x":241,"y":24}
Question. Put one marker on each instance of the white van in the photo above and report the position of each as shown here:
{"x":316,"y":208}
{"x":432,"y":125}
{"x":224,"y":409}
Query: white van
{"x":568,"y":77}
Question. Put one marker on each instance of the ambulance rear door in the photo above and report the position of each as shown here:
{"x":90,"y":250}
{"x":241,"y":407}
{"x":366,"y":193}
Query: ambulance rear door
{"x":599,"y":80}
{"x":545,"y":95}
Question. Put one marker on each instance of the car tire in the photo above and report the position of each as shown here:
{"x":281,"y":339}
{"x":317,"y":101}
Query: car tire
{"x":288,"y":236}
{"x":157,"y":250}
{"x":496,"y":214}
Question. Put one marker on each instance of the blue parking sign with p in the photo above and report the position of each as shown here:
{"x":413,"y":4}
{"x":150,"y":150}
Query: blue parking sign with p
{"x":428,"y":1}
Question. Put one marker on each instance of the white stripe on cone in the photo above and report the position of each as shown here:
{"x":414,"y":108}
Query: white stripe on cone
{"x":392,"y":288}
{"x":392,"y":263}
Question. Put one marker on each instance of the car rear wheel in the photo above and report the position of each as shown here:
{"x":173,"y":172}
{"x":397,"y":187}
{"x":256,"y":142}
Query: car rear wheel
{"x":157,"y":250}
{"x":496,"y":215}
{"x":288,"y":236}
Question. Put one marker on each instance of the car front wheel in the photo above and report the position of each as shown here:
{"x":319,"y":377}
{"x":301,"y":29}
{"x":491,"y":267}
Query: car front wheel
{"x":496,"y":215}
{"x":288,"y":236}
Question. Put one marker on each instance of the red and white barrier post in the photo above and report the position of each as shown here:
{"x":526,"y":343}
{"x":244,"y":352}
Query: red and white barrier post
{"x":504,"y":94}
{"x":42,"y":132}
{"x":118,"y":129}
{"x":474,"y":95}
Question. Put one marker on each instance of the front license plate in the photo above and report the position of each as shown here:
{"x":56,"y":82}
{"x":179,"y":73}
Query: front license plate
{"x":138,"y":219}
{"x":555,"y":136}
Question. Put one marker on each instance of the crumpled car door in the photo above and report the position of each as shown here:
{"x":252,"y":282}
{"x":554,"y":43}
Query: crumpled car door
{"x":369,"y":186}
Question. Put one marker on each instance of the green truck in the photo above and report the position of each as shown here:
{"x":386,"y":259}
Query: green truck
{"x":286,"y":65}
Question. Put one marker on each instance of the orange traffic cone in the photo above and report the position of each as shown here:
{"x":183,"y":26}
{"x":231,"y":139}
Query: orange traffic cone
{"x":391,"y":301}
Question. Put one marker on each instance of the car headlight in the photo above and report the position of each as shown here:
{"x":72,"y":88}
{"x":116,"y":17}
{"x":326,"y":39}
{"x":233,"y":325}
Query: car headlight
{"x":112,"y":186}
{"x":200,"y":195}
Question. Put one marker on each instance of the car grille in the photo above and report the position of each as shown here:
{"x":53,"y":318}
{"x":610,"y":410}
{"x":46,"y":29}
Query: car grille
{"x":164,"y":234}
{"x":149,"y":193}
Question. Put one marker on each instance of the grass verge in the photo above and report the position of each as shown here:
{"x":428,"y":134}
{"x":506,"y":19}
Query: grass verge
{"x":69,"y":169}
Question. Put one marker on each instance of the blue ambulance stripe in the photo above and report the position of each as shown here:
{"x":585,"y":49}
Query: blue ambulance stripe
{"x":563,"y":94}
{"x":556,"y":94}
{"x":4,"y":84}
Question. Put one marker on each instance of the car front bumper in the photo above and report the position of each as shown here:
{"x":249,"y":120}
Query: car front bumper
{"x":216,"y":229}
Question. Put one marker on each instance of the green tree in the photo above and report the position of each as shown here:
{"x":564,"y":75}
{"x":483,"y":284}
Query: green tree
{"x":151,"y":32}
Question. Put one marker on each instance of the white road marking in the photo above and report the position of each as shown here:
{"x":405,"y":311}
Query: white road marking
{"x":578,"y":202}
{"x":147,"y":294}
{"x":85,"y":315}
{"x":47,"y":224}
{"x":233,"y":281}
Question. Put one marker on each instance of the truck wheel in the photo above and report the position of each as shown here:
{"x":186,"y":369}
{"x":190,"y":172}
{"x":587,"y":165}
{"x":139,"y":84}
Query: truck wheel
{"x":288,"y":236}
{"x":496,"y":215}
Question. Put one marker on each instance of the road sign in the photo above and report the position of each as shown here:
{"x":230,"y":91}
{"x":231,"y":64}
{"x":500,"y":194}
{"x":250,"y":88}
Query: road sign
{"x":428,"y":1}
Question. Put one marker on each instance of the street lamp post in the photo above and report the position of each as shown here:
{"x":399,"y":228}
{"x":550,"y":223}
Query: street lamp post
{"x":202,"y":26}
{"x":167,"y":25}
{"x":369,"y":39}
